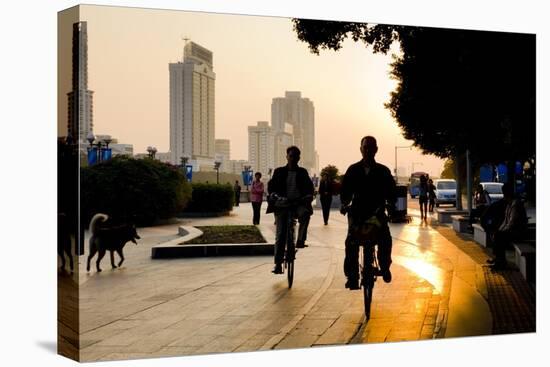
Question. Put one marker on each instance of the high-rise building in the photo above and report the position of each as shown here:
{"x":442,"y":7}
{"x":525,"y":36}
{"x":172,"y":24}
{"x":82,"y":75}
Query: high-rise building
{"x":261,"y":147}
{"x":80,"y":98}
{"x":298,"y":112}
{"x":223,"y":154}
{"x":192,"y":106}
{"x":223,"y":149}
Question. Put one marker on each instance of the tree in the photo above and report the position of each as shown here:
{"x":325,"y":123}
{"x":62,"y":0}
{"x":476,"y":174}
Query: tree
{"x":331,"y":172}
{"x":457,"y":89}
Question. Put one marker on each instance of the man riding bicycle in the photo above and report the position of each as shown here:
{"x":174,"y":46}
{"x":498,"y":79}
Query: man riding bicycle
{"x":291,"y":184}
{"x":369,"y":186}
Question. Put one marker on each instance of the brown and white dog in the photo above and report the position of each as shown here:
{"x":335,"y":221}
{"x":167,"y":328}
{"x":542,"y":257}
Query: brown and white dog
{"x":109,"y":238}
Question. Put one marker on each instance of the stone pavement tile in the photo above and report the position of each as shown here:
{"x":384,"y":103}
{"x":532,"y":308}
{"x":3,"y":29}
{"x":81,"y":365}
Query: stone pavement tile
{"x":254,"y":343}
{"x":192,"y":340}
{"x":221,"y":344}
{"x":214,"y":329}
{"x":124,"y":356}
{"x":302,"y":340}
{"x":320,"y":315}
{"x":512,"y":302}
{"x":96,"y":352}
{"x":124,"y":339}
{"x":312,"y":327}
{"x":207,"y":315}
{"x":189,"y":325}
{"x":232,"y":320}
{"x":254,"y":324}
{"x":403,"y":335}
{"x":175,"y":351}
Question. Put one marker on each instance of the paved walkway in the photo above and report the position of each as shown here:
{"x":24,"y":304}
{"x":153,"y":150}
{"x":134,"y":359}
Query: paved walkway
{"x":151,"y":308}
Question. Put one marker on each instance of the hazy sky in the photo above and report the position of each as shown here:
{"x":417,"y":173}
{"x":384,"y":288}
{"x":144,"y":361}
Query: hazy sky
{"x":255,"y":60}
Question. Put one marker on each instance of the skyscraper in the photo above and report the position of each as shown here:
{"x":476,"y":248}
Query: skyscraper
{"x":298,"y":112}
{"x":80,"y":98}
{"x":192,"y":106}
{"x":261,"y":147}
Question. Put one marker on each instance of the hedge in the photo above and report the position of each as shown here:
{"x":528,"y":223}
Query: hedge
{"x":211,"y":198}
{"x":140,"y":190}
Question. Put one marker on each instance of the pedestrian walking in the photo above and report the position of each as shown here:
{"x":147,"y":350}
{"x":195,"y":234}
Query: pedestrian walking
{"x":325,"y":195}
{"x":257,"y":197}
{"x":237,"y":189}
{"x":423,"y":197}
{"x":431,"y":195}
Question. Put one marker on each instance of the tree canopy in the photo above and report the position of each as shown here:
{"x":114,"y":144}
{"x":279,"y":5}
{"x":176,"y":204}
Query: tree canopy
{"x":457,"y":89}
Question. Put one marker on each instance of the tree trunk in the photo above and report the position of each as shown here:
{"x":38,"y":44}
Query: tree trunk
{"x":458,"y":184}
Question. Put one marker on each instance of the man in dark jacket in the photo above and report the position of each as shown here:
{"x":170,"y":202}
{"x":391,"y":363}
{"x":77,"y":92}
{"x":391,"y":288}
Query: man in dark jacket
{"x":293,"y":183}
{"x":370,"y":188}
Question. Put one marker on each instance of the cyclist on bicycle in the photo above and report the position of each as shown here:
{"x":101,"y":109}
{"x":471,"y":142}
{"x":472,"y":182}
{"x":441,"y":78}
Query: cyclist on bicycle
{"x":368,"y":185}
{"x":290,"y":183}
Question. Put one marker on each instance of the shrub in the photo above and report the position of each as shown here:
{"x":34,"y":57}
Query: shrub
{"x":211,"y":198}
{"x":142,"y":190}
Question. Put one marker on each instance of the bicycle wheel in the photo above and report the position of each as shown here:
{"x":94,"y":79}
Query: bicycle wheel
{"x":290,"y":273}
{"x":367,"y":281}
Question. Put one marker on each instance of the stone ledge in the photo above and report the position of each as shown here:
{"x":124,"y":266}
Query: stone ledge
{"x":526,"y":259}
{"x":460,"y":223}
{"x":218,"y":249}
{"x":177,"y":248}
{"x":444,"y":215}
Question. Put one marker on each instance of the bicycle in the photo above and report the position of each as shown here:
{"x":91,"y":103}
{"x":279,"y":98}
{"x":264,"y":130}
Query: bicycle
{"x":290,"y":243}
{"x":368,"y":273}
{"x":365,"y":236}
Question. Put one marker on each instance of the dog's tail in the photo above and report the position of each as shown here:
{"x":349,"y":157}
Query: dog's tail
{"x":95,"y":219}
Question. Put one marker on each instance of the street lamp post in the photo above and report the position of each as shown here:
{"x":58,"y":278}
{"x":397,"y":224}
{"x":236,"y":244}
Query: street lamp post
{"x":98,"y":149}
{"x":152,"y":151}
{"x":246,"y":169}
{"x":395,"y":166}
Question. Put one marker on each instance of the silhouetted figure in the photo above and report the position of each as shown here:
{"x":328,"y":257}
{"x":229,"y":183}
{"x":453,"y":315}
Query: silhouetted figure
{"x":431,"y":195}
{"x":237,"y":189}
{"x":513,"y":227}
{"x":482,"y":200}
{"x":257,"y":197}
{"x":291,"y":192}
{"x":423,"y":197}
{"x":370,"y":188}
{"x":325,"y":196}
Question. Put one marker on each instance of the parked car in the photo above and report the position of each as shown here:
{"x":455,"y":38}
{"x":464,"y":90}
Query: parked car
{"x":494,"y":189}
{"x":445,"y":192}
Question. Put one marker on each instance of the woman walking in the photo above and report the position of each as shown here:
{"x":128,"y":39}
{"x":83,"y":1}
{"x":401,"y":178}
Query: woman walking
{"x":423,"y":197}
{"x":325,"y":194}
{"x":256,"y":197}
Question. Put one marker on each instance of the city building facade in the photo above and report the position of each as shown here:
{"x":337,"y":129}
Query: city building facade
{"x":261,"y":147}
{"x":192,"y":107}
{"x":298,"y":112}
{"x":80,"y":98}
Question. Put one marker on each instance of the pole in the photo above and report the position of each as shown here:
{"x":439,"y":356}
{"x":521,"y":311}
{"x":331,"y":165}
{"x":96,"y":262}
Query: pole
{"x":469,"y":180}
{"x":395,"y":164}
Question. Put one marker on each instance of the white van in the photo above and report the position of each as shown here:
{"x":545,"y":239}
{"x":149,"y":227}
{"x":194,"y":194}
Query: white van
{"x":445,"y":192}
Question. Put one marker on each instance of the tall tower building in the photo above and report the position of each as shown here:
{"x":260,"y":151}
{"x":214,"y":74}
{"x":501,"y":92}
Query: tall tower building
{"x":223,"y":154}
{"x":298,"y":112}
{"x":192,"y":106}
{"x":261,"y":147}
{"x":80,"y":98}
